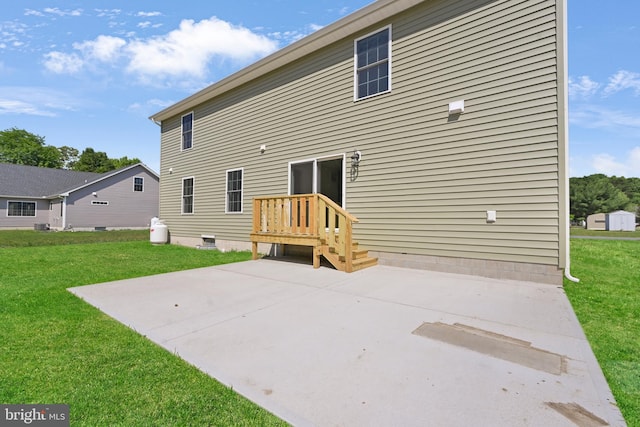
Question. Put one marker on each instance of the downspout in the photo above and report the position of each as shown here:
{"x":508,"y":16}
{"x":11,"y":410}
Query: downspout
{"x":563,"y":131}
{"x":64,"y":212}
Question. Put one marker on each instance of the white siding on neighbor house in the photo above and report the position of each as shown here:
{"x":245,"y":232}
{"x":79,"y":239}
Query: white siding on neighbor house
{"x":426,"y":179}
{"x":126,"y":208}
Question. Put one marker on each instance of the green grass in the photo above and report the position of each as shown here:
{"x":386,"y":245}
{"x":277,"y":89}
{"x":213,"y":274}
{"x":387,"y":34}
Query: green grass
{"x":19,"y":238}
{"x":55,"y":348}
{"x":607,"y":303}
{"x":580,"y":231}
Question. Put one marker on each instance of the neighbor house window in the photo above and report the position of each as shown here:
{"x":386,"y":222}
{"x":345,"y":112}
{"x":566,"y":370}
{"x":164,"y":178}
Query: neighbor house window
{"x":187,"y":131}
{"x":21,"y":208}
{"x":373,"y":64}
{"x":234,"y":191}
{"x":187,"y":195}
{"x":138,"y":183}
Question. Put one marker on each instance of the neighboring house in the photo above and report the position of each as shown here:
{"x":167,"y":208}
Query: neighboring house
{"x":440,"y":125}
{"x":61,"y":199}
{"x":597,"y":221}
{"x":621,"y":221}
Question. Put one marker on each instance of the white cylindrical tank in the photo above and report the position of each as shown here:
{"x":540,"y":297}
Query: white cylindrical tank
{"x":159,"y":232}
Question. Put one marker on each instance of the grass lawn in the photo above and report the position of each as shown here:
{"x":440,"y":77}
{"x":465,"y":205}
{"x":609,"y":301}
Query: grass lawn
{"x":580,"y":231}
{"x":55,"y":348}
{"x":607,"y":303}
{"x":20,"y":238}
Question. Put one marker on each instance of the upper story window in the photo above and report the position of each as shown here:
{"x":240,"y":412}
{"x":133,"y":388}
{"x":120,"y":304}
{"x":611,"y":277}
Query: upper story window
{"x":234,"y":191}
{"x":187,"y":195}
{"x":373,"y":64}
{"x":138,"y":183}
{"x":187,"y":131}
{"x":21,"y":208}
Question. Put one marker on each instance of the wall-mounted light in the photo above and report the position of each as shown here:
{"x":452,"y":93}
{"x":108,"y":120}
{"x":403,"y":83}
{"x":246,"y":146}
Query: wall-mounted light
{"x":355,"y":164}
{"x":94,"y":194}
{"x":170,"y":171}
{"x":355,"y":158}
{"x":263,"y":148}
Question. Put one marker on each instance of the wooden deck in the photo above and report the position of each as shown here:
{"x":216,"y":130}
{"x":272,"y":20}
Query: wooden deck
{"x":309,"y":220}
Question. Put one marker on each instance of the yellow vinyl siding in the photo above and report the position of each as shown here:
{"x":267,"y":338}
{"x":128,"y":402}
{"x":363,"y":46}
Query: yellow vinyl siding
{"x":426,"y":180}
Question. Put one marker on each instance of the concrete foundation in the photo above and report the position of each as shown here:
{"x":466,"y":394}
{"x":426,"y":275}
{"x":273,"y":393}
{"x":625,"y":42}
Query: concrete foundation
{"x":475,"y":267}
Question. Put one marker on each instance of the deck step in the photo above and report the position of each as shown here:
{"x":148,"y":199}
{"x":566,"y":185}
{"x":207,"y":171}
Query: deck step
{"x":362,"y":263}
{"x":360,"y":253}
{"x":360,"y":258}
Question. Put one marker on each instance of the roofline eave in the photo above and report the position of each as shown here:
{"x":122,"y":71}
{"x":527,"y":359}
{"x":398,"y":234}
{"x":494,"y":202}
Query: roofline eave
{"x":350,"y":24}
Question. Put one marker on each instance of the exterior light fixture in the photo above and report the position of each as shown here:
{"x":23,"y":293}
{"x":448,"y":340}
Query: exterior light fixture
{"x":355,"y":163}
{"x":355,"y":158}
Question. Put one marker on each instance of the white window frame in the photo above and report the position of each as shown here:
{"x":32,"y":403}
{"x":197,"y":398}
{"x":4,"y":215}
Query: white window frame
{"x":355,"y":63}
{"x":134,"y":184}
{"x":226,"y":192}
{"x":182,"y":131}
{"x":193,"y":196}
{"x":35,"y":209}
{"x":99,"y":203}
{"x":314,"y":182}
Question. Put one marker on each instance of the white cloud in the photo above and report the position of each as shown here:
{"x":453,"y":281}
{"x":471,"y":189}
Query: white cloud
{"x":148,"y":14}
{"x":12,"y":106}
{"x":110,"y":13}
{"x":287,"y":36}
{"x":144,"y":24}
{"x":12,"y":34}
{"x":103,"y":48}
{"x":56,"y":11}
{"x":597,"y":117}
{"x":149,"y":107}
{"x":31,"y":12}
{"x":35,"y":101}
{"x":185,"y":52}
{"x":315,"y":27}
{"x":583,"y":88}
{"x":63,"y":63}
{"x":609,"y":165}
{"x":188,"y":50}
{"x":623,"y":80}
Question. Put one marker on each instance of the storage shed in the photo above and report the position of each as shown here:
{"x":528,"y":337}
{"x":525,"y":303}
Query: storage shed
{"x":621,"y":221}
{"x":597,"y":221}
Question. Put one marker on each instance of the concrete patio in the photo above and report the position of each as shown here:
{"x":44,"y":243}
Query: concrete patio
{"x":382,"y":346}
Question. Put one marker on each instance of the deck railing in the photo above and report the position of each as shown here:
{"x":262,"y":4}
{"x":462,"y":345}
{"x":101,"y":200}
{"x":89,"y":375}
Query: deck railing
{"x":304,"y":219}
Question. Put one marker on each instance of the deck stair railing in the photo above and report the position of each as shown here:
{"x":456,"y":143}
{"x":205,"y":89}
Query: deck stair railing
{"x":309,"y":220}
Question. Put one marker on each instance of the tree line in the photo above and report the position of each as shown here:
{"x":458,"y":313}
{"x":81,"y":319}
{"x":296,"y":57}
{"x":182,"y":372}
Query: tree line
{"x":599,"y":193}
{"x":20,"y":147}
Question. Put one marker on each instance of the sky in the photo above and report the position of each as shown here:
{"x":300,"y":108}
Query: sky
{"x":89,"y":74}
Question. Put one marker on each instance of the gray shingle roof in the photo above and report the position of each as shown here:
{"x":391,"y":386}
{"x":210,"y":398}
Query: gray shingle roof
{"x":31,"y":181}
